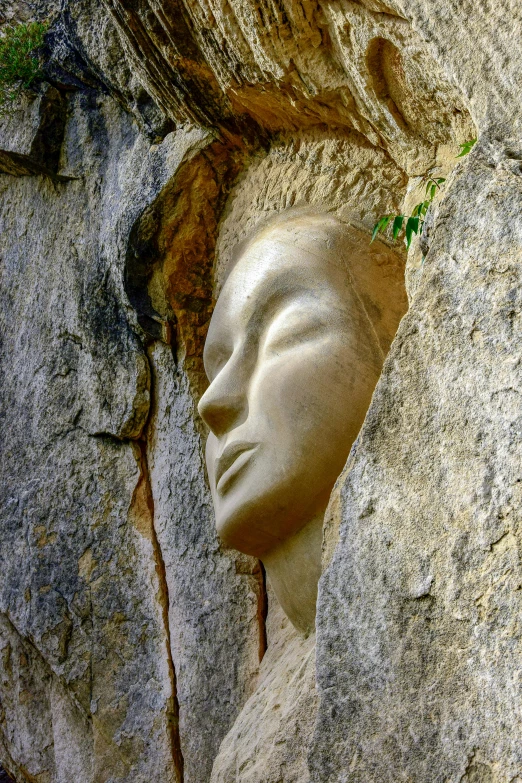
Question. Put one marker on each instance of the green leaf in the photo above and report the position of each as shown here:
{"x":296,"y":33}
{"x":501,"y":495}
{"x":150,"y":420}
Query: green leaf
{"x":466,"y":148}
{"x":412,"y":227}
{"x":381,"y":225}
{"x":378,"y":227}
{"x":432,"y":185}
{"x":420,"y":209}
{"x":397,"y":225}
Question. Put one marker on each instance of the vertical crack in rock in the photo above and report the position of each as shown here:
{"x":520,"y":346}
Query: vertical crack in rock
{"x":253,"y":570}
{"x":144,"y":500}
{"x":262,"y":610}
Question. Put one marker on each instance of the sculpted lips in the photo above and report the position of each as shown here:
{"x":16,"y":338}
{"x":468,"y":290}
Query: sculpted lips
{"x":232,"y":459}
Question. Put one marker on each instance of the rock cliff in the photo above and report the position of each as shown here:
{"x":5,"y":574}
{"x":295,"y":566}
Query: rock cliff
{"x":133,"y":647}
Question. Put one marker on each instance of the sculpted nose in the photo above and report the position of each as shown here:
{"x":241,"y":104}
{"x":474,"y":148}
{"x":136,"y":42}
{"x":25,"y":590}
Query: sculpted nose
{"x":223,"y":406}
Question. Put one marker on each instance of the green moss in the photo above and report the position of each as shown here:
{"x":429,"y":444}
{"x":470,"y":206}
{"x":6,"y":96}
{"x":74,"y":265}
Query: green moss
{"x":20,"y":65}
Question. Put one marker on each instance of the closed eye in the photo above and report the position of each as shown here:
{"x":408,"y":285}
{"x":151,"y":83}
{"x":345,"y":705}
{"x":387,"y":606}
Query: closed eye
{"x":291,"y":329}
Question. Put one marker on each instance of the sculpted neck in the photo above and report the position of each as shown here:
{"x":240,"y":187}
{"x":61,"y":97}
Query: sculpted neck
{"x":294,"y":569}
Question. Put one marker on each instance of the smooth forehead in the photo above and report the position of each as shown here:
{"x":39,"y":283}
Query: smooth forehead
{"x":281,"y":261}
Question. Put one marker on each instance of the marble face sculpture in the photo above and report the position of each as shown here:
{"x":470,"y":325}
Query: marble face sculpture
{"x":292,"y":357}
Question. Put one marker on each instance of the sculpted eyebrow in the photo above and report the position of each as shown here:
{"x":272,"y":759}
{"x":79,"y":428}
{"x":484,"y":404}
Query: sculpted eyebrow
{"x":275,"y":301}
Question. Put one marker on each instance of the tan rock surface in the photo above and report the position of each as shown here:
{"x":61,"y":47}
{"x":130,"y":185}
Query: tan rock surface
{"x":425,"y":577}
{"x":269,"y":741}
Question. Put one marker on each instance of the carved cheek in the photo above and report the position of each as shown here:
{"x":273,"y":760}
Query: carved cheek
{"x":290,"y":390}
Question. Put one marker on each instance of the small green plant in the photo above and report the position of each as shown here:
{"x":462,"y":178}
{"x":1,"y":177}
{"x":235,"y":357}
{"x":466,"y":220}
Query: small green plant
{"x":466,"y":147}
{"x":414,"y":223}
{"x":19,"y":64}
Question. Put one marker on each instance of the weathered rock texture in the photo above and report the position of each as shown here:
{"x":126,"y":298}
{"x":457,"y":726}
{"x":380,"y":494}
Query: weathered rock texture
{"x":31,"y":135}
{"x":130,"y":643}
{"x":422,"y":599}
{"x":418,"y":623}
{"x":89,"y":678}
{"x":273,"y":729}
{"x":216,"y":623}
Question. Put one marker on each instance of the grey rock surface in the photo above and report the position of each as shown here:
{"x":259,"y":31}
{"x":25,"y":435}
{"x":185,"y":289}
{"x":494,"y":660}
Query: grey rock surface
{"x":82,"y":594}
{"x":216,"y":598}
{"x":77,"y":576}
{"x":31,"y":133}
{"x":418,"y":622}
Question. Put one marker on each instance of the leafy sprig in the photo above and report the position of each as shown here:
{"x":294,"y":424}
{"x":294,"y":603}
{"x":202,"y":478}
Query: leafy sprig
{"x":466,"y":147}
{"x":411,"y":224}
{"x":414,"y":223}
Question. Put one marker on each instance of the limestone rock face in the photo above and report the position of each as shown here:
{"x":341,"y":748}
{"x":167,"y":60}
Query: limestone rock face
{"x":133,"y":647}
{"x":267,"y":741}
{"x":79,"y":577}
{"x":84,"y":582}
{"x":32,"y":134}
{"x":215,"y":625}
{"x":421,"y":600}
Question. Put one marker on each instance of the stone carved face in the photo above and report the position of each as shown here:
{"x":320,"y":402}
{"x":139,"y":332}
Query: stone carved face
{"x":292,"y":359}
